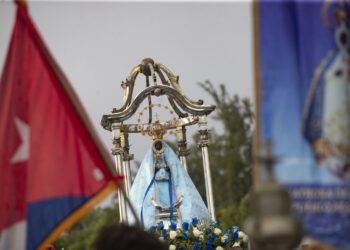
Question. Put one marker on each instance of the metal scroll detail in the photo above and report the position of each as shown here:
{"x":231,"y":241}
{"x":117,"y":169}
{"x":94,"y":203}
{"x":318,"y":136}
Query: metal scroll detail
{"x":189,"y":113}
{"x":149,"y":68}
{"x":156,"y":90}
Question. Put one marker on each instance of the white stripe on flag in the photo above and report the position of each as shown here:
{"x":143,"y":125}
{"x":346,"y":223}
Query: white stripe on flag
{"x":14,"y":237}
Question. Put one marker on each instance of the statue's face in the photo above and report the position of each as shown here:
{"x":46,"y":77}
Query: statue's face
{"x":158,"y":145}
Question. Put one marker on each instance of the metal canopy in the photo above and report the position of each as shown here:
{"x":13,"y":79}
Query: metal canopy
{"x":189,"y":113}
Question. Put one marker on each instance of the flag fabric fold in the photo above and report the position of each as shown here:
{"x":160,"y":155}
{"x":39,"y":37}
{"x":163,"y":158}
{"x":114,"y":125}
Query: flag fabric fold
{"x":53,"y":168}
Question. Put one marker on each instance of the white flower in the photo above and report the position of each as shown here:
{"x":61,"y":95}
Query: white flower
{"x":197,"y":232}
{"x":161,"y":238}
{"x":172,"y":235}
{"x":219,"y":248}
{"x":237,"y":244}
{"x":224,"y":238}
{"x":217,"y":231}
{"x":201,"y":237}
{"x":172,"y":247}
{"x":243,"y":236}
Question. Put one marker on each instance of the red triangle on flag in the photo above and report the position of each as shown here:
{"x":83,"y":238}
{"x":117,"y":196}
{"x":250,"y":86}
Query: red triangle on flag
{"x":53,"y":167}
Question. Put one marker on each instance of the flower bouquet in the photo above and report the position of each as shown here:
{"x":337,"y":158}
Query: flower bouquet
{"x":200,"y":235}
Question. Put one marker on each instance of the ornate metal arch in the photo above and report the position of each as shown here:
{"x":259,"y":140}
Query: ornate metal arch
{"x":175,"y":96}
{"x":189,"y":112}
{"x":171,"y":88}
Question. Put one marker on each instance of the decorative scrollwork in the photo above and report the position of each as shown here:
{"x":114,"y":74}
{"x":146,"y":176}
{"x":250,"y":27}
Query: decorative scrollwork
{"x":149,"y":68}
{"x":193,"y":109}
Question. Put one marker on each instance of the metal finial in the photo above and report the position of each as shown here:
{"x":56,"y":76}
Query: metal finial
{"x":271,"y":224}
{"x":145,"y":68}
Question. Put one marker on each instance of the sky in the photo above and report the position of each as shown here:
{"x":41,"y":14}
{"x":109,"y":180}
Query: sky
{"x":98,"y":43}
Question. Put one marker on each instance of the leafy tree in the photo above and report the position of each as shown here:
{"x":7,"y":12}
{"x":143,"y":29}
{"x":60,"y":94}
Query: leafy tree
{"x":230,"y":156}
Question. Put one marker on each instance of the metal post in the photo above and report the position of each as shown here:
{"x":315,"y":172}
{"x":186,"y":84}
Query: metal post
{"x":182,"y":151}
{"x":203,"y":144}
{"x":126,"y":157}
{"x":117,"y":151}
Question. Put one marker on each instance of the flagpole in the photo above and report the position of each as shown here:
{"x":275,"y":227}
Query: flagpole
{"x":257,"y":134}
{"x":22,"y":2}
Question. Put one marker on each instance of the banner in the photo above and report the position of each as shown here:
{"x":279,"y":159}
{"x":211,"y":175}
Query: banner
{"x":303,"y":90}
{"x":53,"y":168}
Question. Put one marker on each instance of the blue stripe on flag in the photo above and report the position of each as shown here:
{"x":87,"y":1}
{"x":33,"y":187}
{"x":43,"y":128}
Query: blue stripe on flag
{"x":43,"y":216}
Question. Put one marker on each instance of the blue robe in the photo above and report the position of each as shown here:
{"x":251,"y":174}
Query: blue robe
{"x":192,"y":204}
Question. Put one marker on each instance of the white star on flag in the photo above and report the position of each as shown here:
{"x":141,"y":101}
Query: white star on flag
{"x":22,"y":153}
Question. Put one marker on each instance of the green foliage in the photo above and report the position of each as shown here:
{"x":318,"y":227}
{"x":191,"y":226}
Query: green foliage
{"x":234,"y":213}
{"x":230,"y":156}
{"x":82,"y":235}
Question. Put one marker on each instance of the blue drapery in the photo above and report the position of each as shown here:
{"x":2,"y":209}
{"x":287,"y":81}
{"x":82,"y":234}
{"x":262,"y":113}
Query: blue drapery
{"x":192,"y":204}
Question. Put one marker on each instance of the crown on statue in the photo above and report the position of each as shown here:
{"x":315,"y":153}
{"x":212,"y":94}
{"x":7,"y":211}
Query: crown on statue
{"x":157,"y":130}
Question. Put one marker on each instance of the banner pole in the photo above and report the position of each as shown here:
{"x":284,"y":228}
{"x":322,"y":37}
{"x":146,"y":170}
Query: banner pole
{"x":22,"y":2}
{"x":257,"y":133}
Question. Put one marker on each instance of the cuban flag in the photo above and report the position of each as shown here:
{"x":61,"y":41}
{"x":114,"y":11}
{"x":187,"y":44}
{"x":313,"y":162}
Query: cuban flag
{"x":53,"y":168}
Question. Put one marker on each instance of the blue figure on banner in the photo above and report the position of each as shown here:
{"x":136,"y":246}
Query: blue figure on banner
{"x":326,"y":121}
{"x":162,"y":189}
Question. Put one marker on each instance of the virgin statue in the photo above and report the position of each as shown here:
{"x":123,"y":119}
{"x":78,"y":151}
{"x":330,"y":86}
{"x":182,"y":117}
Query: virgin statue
{"x":162,"y":189}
